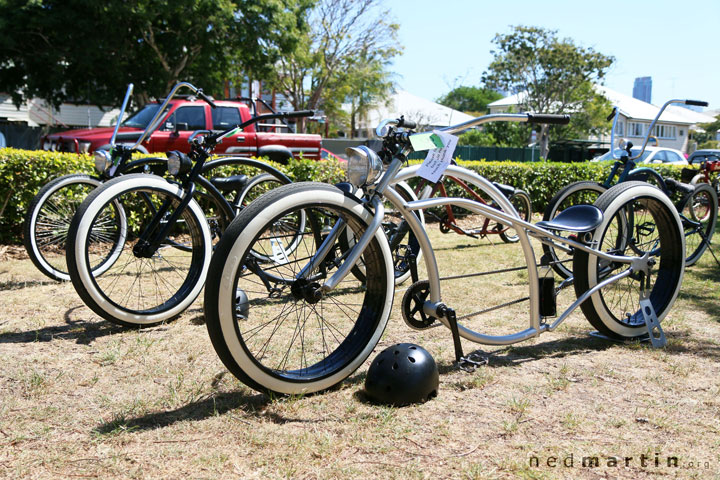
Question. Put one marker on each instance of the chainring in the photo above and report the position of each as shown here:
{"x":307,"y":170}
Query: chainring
{"x":412,"y":306}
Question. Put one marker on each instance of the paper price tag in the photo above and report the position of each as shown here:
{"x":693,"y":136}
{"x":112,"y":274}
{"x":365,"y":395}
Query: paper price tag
{"x":438,"y":159}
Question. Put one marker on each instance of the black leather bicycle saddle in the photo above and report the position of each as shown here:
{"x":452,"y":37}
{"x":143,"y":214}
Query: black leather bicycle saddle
{"x":233,"y":183}
{"x":506,"y":190}
{"x":578,"y":218}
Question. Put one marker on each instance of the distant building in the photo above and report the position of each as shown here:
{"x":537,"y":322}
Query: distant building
{"x":635,"y":117}
{"x":642,"y":90}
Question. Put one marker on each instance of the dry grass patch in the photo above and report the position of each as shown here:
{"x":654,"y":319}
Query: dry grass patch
{"x":80,"y":397}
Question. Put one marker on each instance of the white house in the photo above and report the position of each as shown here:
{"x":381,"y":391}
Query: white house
{"x":671,"y":130}
{"x":36,"y":113}
{"x":424,"y":112}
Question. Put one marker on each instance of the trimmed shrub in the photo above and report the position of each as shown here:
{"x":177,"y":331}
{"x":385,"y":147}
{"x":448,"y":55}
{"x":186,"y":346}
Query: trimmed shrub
{"x":542,"y":180}
{"x":24,"y":172}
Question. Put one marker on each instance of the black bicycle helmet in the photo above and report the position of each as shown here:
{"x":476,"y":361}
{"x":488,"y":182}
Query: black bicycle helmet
{"x":402,"y":374}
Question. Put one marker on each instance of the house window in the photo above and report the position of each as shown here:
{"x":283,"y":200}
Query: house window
{"x":665,"y":131}
{"x":636,"y":129}
{"x":621,"y":128}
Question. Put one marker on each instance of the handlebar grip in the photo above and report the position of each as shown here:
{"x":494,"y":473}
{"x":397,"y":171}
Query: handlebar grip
{"x":206,"y":98}
{"x":612,"y":114}
{"x":696,"y":103}
{"x":548,"y":118}
{"x":407,"y":123}
{"x":299,"y":113}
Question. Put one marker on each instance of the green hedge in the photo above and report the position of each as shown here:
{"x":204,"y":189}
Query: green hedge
{"x":23,"y":173}
{"x":542,"y":180}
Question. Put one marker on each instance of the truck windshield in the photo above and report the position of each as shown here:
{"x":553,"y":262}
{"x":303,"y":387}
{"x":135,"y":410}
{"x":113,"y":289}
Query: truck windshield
{"x":141,"y":118}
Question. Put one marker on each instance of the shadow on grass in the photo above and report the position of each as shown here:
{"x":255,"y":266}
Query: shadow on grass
{"x":706,"y":273}
{"x":84,"y":333}
{"x":21,"y":284}
{"x":210,"y":407}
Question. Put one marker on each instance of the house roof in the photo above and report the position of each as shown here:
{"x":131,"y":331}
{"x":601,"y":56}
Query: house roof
{"x":417,"y":109}
{"x":630,"y":107}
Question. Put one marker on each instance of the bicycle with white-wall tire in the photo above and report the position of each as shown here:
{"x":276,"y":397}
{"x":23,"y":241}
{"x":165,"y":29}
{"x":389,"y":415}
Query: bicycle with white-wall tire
{"x":163,"y":229}
{"x":323,"y":322}
{"x":696,"y":202}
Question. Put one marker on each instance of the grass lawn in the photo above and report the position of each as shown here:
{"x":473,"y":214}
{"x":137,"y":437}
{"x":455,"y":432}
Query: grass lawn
{"x":82,"y":398}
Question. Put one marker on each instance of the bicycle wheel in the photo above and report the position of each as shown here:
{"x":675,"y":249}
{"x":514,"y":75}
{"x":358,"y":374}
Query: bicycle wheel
{"x":699,"y":216}
{"x":270,"y":327}
{"x":47,"y":222}
{"x":578,"y":193}
{"x":142,"y":288}
{"x":521,"y":201}
{"x":637,"y":219}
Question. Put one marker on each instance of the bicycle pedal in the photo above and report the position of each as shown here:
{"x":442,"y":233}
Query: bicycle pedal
{"x":472,"y":361}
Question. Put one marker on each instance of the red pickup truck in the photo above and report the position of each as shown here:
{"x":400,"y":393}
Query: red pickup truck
{"x":183,"y":117}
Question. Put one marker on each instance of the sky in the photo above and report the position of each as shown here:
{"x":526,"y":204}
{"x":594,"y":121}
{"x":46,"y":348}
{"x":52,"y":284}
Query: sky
{"x":447,"y":43}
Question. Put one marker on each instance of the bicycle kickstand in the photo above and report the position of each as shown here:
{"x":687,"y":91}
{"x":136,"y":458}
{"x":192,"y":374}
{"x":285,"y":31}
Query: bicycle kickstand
{"x":652,"y":323}
{"x":465,"y":363}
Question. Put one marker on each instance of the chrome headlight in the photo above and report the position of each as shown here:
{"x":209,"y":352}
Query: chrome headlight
{"x":103,"y":160}
{"x":363,"y":165}
{"x":178,"y":162}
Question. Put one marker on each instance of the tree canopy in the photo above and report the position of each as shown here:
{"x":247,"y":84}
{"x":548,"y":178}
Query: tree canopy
{"x":552,"y":75}
{"x":471,"y":100}
{"x":343,"y":57}
{"x":88,"y":51}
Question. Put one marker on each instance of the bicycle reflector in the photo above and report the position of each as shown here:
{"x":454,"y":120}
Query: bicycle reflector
{"x":103,"y":160}
{"x":402,"y":374}
{"x":363,"y":165}
{"x":178,"y":162}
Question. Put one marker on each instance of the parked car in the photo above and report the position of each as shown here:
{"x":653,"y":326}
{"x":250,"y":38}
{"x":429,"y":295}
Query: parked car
{"x":183,"y":117}
{"x":699,"y":156}
{"x":654,"y":155}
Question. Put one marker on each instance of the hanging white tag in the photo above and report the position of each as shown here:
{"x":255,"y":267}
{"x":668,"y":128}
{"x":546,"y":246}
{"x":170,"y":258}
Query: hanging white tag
{"x":438,"y":159}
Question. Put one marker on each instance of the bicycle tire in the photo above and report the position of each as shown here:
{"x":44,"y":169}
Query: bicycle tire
{"x":521,"y":201}
{"x":700,"y":213}
{"x":137,"y":290}
{"x":47,"y":223}
{"x":649,"y":216}
{"x":584,"y":192}
{"x":338,"y":331}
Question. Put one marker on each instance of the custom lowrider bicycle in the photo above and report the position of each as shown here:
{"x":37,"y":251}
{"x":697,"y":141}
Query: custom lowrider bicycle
{"x":321,"y":323}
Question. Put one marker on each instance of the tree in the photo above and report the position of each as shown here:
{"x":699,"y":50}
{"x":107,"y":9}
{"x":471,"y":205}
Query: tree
{"x":344,"y":55}
{"x":706,"y":137}
{"x":87,"y":51}
{"x":472,"y":100}
{"x":552,"y":76}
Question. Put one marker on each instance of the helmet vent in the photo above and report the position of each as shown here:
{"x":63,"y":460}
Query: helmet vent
{"x":395,"y":366}
{"x":412,"y":360}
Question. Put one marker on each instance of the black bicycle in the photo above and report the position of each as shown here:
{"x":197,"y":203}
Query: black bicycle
{"x":163,"y":229}
{"x":697,"y":204}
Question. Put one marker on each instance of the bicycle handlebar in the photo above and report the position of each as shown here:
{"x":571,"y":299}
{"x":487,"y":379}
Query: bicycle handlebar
{"x":207,"y":99}
{"x":128,"y":92}
{"x":548,"y":118}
